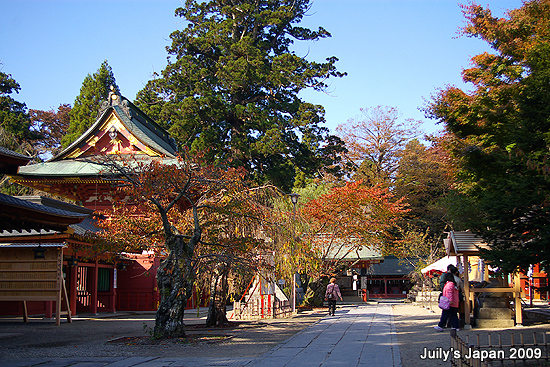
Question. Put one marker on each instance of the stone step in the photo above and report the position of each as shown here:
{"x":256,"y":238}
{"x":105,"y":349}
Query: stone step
{"x":492,"y":323}
{"x":353,"y":299}
{"x":495,"y":313}
{"x":495,"y":302}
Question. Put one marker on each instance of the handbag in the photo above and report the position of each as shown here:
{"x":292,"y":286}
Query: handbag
{"x":331,"y":294}
{"x":444,"y":303}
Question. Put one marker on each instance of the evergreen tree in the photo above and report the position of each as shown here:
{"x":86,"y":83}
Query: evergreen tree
{"x":15,"y":130}
{"x":95,"y":89}
{"x":231,"y":89}
{"x":15,"y":122}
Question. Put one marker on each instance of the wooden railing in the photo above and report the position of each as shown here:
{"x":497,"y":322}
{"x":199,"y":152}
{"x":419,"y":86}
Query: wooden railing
{"x":528,"y":349}
{"x":259,"y":308}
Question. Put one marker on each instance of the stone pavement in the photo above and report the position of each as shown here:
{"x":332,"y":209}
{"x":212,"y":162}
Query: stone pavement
{"x":356,"y":336}
{"x":362,"y":335}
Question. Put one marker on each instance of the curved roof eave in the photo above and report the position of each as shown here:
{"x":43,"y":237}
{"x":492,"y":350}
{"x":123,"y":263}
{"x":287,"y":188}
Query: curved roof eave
{"x":140,"y":130}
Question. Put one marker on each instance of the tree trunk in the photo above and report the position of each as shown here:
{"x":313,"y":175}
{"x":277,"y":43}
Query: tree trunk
{"x":315,"y":294}
{"x":218,"y":297}
{"x":173,"y":288}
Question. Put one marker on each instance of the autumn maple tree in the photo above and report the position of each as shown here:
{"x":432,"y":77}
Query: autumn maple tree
{"x":52,"y":125}
{"x":292,"y":255}
{"x":500,"y":125}
{"x":193,"y":215}
{"x":344,"y":220}
{"x":425,"y":179}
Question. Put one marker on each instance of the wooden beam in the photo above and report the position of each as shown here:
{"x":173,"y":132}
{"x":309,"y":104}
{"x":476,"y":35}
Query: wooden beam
{"x":25,"y":314}
{"x":495,"y":290}
{"x":517,"y":299}
{"x":466,"y":293}
{"x":64,"y":290}
{"x":59,"y":282}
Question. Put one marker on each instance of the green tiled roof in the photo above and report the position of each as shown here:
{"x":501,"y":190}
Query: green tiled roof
{"x":338,"y":249}
{"x":137,"y":123}
{"x":391,"y":266}
{"x":151,"y":135}
{"x":78,"y":167}
{"x":69,"y":167}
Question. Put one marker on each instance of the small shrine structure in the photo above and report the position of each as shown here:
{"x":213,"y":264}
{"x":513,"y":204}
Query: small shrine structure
{"x":31,"y":250}
{"x":466,"y":245}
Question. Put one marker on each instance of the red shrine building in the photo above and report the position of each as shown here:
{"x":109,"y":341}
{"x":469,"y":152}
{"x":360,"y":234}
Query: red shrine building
{"x":121,"y":128}
{"x":95,"y":285}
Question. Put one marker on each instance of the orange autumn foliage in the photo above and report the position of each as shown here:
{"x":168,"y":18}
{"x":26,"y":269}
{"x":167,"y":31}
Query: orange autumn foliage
{"x":351,"y":217}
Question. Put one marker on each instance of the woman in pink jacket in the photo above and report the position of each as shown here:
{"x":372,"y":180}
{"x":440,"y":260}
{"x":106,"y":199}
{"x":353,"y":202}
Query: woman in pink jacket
{"x":450,"y":290}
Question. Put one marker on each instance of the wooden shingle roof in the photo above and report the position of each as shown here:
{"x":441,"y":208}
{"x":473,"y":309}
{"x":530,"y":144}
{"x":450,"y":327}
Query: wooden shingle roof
{"x":17,"y":215}
{"x":463,"y":243}
{"x":10,"y":161}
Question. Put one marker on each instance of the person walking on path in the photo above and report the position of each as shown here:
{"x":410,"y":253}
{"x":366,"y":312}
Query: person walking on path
{"x":450,"y":290}
{"x":333,"y":291}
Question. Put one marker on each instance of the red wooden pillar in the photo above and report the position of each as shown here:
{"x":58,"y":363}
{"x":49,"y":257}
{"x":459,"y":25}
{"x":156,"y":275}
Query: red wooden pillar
{"x":73,"y":289}
{"x":93,"y":289}
{"x":112,"y":296}
{"x":385,"y":287}
{"x":48,"y":309}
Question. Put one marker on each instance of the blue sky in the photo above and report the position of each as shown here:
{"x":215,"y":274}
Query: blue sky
{"x":396,"y":52}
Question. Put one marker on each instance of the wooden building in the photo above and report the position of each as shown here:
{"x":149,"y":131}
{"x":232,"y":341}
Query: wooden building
{"x":32,"y":240}
{"x":466,"y":245}
{"x":121,"y":129}
{"x":388,"y":279}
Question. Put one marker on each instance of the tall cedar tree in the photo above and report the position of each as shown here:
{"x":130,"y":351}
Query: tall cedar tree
{"x":15,"y":130}
{"x":231,"y":88}
{"x":95,"y":89}
{"x":14,"y":118}
{"x":501,"y":128}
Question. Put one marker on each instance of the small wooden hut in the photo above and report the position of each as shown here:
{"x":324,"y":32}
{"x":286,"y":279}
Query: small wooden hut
{"x":467,"y":245}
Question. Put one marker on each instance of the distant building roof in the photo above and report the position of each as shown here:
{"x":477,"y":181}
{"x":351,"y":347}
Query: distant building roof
{"x":350,"y":250}
{"x":391,"y":266}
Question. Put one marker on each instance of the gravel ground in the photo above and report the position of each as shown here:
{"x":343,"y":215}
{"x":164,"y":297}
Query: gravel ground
{"x":123,"y":336}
